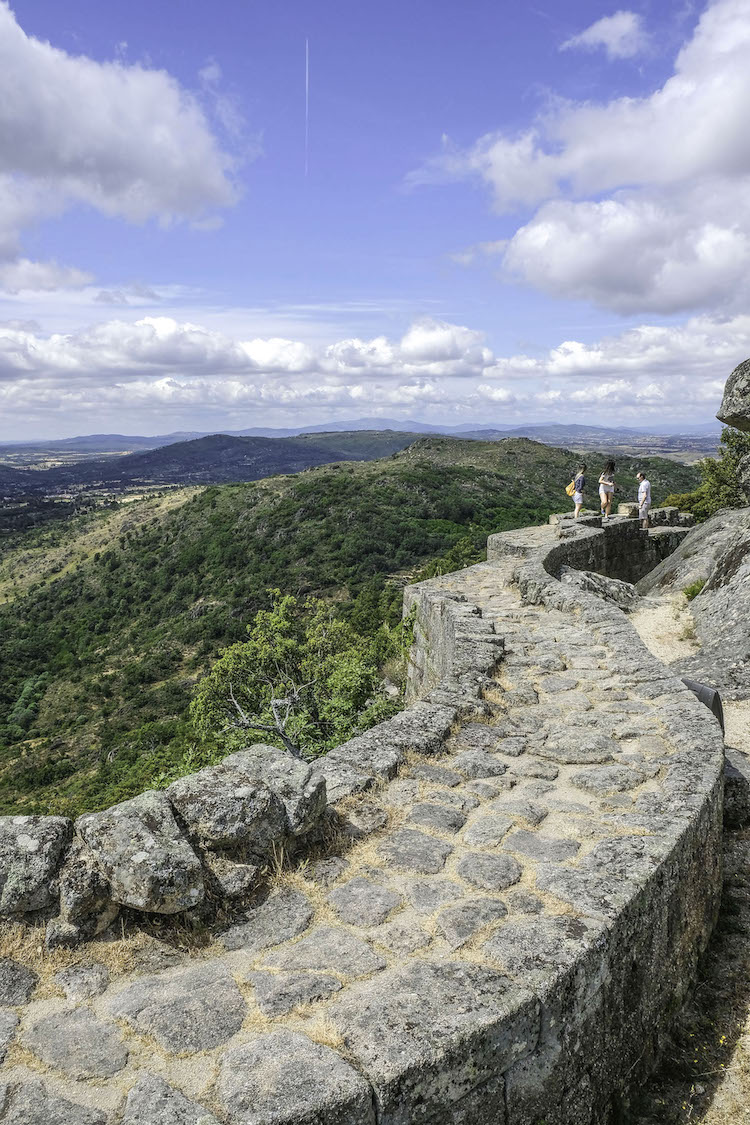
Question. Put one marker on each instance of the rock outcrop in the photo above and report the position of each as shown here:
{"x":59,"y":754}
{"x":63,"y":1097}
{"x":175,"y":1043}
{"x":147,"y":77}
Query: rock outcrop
{"x":735,"y":405}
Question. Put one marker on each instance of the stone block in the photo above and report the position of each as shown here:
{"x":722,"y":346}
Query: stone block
{"x":279,"y":993}
{"x":152,"y":1101}
{"x":81,"y":982}
{"x":298,"y":785}
{"x":328,"y":948}
{"x":282,"y":915}
{"x":490,"y":872}
{"x":145,"y":858}
{"x":17,"y":983}
{"x":86,"y":905}
{"x":283,"y":1078}
{"x":31,"y":848}
{"x":458,"y":924}
{"x":363,"y":903}
{"x":408,"y":850}
{"x":77,"y":1043}
{"x":30,"y":1102}
{"x":185,"y":1010}
{"x":441,"y":818}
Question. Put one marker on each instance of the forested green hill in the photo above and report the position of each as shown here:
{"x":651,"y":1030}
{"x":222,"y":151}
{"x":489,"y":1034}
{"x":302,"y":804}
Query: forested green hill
{"x":98,"y":665}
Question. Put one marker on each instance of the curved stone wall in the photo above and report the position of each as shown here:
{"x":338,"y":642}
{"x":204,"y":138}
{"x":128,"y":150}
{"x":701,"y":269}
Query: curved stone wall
{"x":531,"y":875}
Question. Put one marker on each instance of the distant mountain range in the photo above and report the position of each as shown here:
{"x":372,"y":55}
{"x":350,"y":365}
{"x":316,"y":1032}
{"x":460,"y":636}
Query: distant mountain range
{"x":557,"y":431}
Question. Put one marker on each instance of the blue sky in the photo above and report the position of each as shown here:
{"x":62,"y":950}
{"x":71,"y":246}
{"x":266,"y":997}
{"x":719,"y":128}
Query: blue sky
{"x":510,"y":213}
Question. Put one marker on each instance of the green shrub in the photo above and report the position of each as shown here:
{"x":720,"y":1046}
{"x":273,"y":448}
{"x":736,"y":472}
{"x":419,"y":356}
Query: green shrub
{"x":720,"y":487}
{"x":694,"y":589}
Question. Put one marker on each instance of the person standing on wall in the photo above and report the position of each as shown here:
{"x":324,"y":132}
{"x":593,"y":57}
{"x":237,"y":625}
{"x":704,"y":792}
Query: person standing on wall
{"x":580,"y":485}
{"x":644,"y":499}
{"x":607,"y":488}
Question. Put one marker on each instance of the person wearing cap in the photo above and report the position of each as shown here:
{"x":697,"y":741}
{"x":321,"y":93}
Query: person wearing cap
{"x":644,"y":499}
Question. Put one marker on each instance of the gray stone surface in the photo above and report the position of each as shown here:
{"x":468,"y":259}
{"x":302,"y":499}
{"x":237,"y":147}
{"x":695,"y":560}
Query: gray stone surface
{"x":363,"y":903}
{"x":521,"y":901}
{"x":440,"y":775}
{"x":297,"y":784}
{"x":226,"y":806}
{"x":512,"y":747}
{"x":478,"y":764}
{"x":283,"y":1078}
{"x":477,"y":736}
{"x":325,"y":871}
{"x":526,"y":810}
{"x":427,"y":1034}
{"x":605,"y":780}
{"x":144,"y":856}
{"x":191,"y":1009}
{"x":428,"y":895}
{"x":8,"y":1025}
{"x":328,"y":948}
{"x":537,"y":846}
{"x":283,"y":915}
{"x":77,"y":1043}
{"x":17,"y":983}
{"x":409,"y":850}
{"x":535,"y":949}
{"x":278,"y":993}
{"x":530,"y":767}
{"x":461,"y":922}
{"x":403,"y":935}
{"x":364,"y":819}
{"x":30,"y":850}
{"x":152,"y":1101}
{"x":487,"y":831}
{"x":576,"y":746}
{"x":439,"y":817}
{"x":459,"y":798}
{"x":86,"y":906}
{"x":490,"y":872}
{"x":80,"y":982}
{"x":735,"y":405}
{"x":229,"y":879}
{"x":31,"y":1102}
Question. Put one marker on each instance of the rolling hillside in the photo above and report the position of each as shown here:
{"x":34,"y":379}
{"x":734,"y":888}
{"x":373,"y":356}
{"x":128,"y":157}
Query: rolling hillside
{"x":98,"y":663}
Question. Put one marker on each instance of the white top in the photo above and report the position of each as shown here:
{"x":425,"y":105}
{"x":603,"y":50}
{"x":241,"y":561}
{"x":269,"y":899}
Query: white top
{"x":644,"y":492}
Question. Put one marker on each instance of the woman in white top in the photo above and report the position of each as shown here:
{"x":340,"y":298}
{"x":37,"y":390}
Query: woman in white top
{"x":607,"y":488}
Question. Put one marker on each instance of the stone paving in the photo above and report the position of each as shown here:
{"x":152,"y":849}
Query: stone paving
{"x":487,"y":866}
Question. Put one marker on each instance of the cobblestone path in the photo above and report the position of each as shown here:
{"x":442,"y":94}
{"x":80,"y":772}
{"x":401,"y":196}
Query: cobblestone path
{"x":505,"y":851}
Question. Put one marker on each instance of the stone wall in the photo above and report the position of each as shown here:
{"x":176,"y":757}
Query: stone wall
{"x":470,"y":967}
{"x":617,"y":548}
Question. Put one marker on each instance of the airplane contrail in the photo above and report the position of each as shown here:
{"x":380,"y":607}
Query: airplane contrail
{"x":307,"y":102}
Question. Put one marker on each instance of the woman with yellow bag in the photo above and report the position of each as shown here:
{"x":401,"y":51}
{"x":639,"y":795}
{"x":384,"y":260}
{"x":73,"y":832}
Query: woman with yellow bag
{"x":576,"y":488}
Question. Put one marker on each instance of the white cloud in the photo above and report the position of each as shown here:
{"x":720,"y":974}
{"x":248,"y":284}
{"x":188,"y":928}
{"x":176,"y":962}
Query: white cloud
{"x":190,"y":376}
{"x":645,"y":202}
{"x":126,"y":140}
{"x":22,"y":275}
{"x":622,"y":36}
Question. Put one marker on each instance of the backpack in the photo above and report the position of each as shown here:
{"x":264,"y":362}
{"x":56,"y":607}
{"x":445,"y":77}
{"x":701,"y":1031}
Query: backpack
{"x":570,"y":489}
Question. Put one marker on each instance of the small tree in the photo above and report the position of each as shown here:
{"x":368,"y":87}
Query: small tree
{"x":720,"y":487}
{"x":303,"y":677}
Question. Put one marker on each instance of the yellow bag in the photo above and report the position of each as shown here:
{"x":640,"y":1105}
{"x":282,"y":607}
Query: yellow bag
{"x":571,"y":488}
